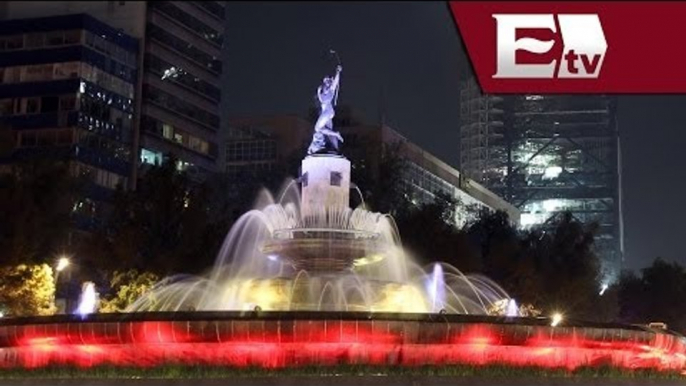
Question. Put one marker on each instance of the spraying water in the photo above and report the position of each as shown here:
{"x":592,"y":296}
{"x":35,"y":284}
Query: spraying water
{"x":512,"y":308}
{"x":436,"y":288}
{"x":336,"y":259}
{"x":88,"y":300}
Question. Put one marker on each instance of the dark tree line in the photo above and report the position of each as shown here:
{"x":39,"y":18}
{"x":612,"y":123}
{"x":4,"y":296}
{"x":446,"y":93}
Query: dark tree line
{"x":656,"y":294}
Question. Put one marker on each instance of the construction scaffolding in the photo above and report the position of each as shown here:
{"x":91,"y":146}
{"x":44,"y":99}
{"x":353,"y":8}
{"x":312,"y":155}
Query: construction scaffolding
{"x":548,"y":154}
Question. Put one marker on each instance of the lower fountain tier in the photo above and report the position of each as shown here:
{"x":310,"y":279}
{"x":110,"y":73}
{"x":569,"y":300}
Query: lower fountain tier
{"x":330,"y":293}
{"x":326,"y":250}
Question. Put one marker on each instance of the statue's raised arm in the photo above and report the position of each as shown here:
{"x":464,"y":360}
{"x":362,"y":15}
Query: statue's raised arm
{"x":328,"y":91}
{"x":336,"y":83}
{"x":337,"y":77}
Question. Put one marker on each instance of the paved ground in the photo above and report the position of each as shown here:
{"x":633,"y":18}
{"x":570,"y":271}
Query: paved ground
{"x":346,"y":381}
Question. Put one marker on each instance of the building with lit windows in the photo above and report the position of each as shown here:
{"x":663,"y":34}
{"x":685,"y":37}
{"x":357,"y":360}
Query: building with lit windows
{"x":548,"y":154}
{"x":177,"y":110}
{"x":67,"y":88}
{"x":261,"y":143}
{"x":181,"y":78}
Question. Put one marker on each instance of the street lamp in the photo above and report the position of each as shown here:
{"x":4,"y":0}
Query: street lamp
{"x":62,"y":263}
{"x":556,"y":319}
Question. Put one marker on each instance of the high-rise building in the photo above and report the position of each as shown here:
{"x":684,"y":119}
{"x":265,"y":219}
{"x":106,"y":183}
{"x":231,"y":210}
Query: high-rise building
{"x":261,"y":143}
{"x":181,"y":82}
{"x":178,"y":111}
{"x":67,"y":86}
{"x":548,"y":154}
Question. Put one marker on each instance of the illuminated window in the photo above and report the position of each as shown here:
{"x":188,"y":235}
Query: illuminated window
{"x":151,"y":157}
{"x":167,"y":131}
{"x":183,"y":165}
{"x":66,"y":70}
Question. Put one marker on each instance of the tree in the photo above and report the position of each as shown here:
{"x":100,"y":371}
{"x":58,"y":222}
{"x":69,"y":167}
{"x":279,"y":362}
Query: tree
{"x":429,"y":232}
{"x":165,"y":226}
{"x":27,"y":290}
{"x":632,"y":298}
{"x":553,"y":270}
{"x":657,"y":295}
{"x":497,"y":243}
{"x":125,"y":288}
{"x":569,"y":270}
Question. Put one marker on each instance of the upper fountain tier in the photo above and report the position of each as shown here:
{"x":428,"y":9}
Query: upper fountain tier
{"x":328,"y":235}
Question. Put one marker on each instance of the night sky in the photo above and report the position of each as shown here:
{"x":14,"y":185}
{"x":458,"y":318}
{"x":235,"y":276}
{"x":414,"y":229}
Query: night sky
{"x":404,"y":60}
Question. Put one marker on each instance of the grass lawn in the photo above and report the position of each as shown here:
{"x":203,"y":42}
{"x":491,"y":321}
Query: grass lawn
{"x":217,"y":372}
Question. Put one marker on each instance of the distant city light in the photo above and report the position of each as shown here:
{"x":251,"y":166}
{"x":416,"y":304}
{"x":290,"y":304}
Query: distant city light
{"x":62,"y":264}
{"x":557,"y":318}
{"x":552,"y":205}
{"x":171,"y":72}
{"x":552,"y":172}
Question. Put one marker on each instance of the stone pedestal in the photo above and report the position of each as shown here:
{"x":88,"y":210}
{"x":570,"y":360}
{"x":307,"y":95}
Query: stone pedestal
{"x":325,"y":184}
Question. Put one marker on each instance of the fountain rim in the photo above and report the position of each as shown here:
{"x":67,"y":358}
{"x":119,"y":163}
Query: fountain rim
{"x":282,"y":234}
{"x":211,"y":316}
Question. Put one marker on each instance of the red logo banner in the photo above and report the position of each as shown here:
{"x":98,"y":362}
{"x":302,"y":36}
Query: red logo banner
{"x":575,"y":47}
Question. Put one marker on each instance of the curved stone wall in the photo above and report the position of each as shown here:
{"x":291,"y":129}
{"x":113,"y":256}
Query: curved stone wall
{"x":275,"y":340}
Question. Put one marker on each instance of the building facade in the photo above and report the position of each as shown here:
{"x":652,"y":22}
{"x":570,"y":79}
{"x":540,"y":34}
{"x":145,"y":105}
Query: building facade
{"x":548,"y":154}
{"x":67,"y":91}
{"x":177,"y":110}
{"x":259,"y":143}
{"x":181,"y":83}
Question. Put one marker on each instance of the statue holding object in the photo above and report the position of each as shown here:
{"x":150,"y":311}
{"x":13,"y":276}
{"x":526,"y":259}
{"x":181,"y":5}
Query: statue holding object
{"x":326,"y":140}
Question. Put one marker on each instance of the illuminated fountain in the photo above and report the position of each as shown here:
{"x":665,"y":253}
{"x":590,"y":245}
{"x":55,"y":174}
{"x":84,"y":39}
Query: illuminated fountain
{"x":309,"y":250}
{"x":306,"y":280}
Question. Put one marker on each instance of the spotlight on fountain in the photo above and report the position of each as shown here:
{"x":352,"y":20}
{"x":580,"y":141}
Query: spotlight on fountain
{"x":556,"y":319}
{"x":603,"y":289}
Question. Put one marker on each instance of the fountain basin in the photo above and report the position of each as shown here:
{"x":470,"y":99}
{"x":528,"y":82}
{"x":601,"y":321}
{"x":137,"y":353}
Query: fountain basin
{"x":286,"y":339}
